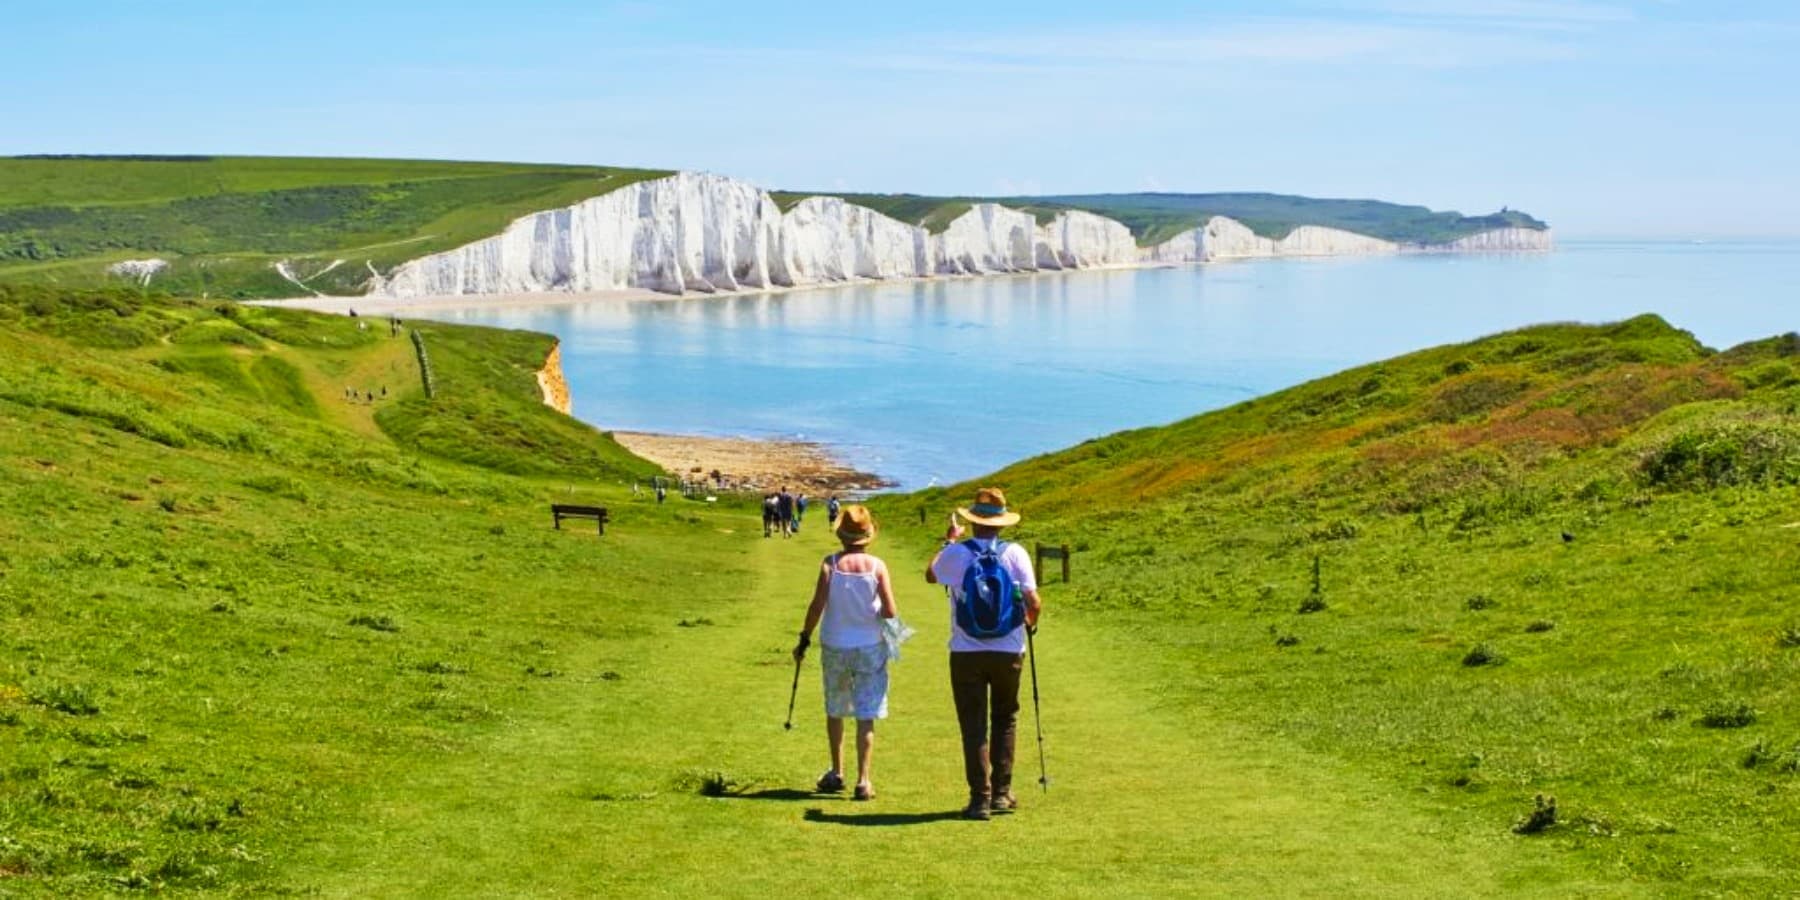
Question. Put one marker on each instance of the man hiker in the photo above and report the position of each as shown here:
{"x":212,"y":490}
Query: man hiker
{"x":784,"y":512}
{"x":987,"y":643}
{"x":831,"y":510}
{"x":769,"y":514}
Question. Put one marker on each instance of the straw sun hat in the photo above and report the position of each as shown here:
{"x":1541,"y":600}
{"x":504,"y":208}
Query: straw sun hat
{"x":855,"y":525}
{"x":989,"y":509}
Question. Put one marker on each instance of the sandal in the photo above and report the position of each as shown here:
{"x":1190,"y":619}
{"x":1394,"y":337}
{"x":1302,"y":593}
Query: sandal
{"x":864,"y":791}
{"x":830,"y":782}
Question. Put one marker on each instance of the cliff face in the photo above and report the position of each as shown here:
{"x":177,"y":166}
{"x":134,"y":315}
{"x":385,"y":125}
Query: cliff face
{"x":551,"y":382}
{"x":697,"y":233}
{"x":1503,"y":240}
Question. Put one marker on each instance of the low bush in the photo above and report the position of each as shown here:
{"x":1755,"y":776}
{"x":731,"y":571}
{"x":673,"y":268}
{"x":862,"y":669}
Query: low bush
{"x":1739,"y":454}
{"x":1727,"y":714}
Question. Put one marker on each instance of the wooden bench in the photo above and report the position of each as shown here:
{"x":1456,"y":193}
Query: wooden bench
{"x":561,"y":511}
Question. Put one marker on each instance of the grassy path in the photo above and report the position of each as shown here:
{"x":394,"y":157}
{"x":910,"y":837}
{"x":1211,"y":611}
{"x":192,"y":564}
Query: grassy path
{"x":594,"y":785}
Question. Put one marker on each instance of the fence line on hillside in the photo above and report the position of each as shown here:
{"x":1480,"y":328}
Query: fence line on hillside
{"x":424,"y":364}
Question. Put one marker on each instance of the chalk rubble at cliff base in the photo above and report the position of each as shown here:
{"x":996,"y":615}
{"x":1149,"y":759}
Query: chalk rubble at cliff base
{"x":701,"y":233}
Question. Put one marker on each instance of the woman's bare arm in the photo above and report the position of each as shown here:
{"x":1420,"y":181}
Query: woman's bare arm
{"x":815,"y":611}
{"x":884,"y":587}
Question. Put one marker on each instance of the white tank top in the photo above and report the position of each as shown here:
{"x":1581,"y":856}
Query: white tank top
{"x":852,"y":610}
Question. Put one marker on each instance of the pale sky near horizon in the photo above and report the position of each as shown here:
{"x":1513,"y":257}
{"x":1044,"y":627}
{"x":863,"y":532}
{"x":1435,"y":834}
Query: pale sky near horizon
{"x":1657,"y":118}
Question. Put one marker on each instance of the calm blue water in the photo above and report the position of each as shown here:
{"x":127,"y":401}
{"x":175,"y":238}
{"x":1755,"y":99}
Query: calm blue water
{"x":947,"y":380}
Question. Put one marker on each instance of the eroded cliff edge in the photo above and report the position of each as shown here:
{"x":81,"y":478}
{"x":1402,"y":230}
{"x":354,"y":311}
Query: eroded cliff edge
{"x":702,"y":233}
{"x":552,"y":384}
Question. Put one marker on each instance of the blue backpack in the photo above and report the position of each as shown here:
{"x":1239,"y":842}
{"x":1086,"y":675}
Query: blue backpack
{"x":989,"y":604}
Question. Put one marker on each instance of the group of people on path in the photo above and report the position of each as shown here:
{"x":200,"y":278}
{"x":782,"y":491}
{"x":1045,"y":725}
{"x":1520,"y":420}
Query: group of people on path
{"x":994,"y":607}
{"x":782,"y":512}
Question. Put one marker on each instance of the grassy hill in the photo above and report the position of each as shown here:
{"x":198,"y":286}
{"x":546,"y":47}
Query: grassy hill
{"x":1555,"y":561}
{"x":258,"y":637}
{"x":223,"y":222}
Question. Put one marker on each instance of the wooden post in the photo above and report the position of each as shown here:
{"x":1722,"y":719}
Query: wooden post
{"x":1059,"y":552}
{"x":921,"y":515}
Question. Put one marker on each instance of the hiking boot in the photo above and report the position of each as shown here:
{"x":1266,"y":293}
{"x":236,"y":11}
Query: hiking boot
{"x":977,"y":810}
{"x":864,"y":791}
{"x":1004,"y":802}
{"x":830,"y":783}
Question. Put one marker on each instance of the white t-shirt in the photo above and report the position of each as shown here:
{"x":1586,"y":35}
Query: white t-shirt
{"x":949,"y":568}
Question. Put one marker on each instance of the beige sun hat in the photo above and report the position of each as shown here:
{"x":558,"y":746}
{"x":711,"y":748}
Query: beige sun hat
{"x":855,"y":525}
{"x":989,"y":509}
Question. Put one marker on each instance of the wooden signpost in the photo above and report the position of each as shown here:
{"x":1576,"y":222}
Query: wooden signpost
{"x":1060,"y":552}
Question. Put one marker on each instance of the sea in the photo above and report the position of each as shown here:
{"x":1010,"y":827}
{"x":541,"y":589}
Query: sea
{"x":939,"y":381}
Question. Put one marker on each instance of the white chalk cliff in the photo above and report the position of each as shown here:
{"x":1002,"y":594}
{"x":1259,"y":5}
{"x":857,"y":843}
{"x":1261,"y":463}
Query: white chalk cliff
{"x":698,"y":233}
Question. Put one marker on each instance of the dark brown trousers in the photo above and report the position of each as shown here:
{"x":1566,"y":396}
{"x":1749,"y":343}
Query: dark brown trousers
{"x":986,"y":686}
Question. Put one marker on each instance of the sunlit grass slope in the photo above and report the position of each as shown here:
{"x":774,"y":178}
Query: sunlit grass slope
{"x":1556,"y":561}
{"x":230,"y":596}
{"x":223,"y":222}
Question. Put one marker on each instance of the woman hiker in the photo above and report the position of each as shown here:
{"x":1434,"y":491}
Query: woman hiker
{"x":984,"y":671}
{"x":851,"y":600}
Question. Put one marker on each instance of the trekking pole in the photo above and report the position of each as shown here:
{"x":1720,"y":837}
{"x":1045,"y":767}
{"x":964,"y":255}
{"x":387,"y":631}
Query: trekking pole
{"x":795,"y":692}
{"x":1037,"y":711}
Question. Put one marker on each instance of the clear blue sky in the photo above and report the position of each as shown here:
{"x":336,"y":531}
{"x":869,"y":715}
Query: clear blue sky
{"x":1607,"y":118}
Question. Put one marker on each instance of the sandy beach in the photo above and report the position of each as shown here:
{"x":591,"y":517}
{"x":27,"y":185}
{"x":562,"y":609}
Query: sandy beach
{"x":751,"y":465}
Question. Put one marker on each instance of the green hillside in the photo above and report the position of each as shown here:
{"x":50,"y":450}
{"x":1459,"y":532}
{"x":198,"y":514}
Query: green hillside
{"x":1154,"y":218}
{"x":223,"y":222}
{"x":259,"y":637}
{"x":1555,"y":561}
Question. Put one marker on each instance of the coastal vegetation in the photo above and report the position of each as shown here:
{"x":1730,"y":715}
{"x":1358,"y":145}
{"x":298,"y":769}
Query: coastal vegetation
{"x":1511,"y":616}
{"x":264,"y":227}
{"x":224,"y":222}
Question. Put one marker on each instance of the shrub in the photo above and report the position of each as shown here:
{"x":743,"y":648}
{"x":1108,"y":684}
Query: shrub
{"x":1725,"y":455}
{"x":1312,"y":604}
{"x":1789,"y":635}
{"x":1478,"y":602}
{"x":1286,"y":640}
{"x":1482,"y":655}
{"x":1539,"y":626}
{"x":1726,"y":714}
{"x":1541,"y":817}
{"x":374,"y":623}
{"x":70,"y":699}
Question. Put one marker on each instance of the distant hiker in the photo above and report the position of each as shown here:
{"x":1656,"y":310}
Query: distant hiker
{"x":993,"y":599}
{"x":771,"y":514}
{"x":799,"y":510}
{"x":635,"y":490}
{"x":352,"y":313}
{"x":662,"y":494}
{"x":850,"y":602}
{"x":831,"y":510}
{"x":384,"y":392}
{"x":784,"y":512}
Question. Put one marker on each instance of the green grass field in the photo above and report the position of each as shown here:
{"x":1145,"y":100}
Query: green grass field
{"x":260,"y":638}
{"x":223,"y":222}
